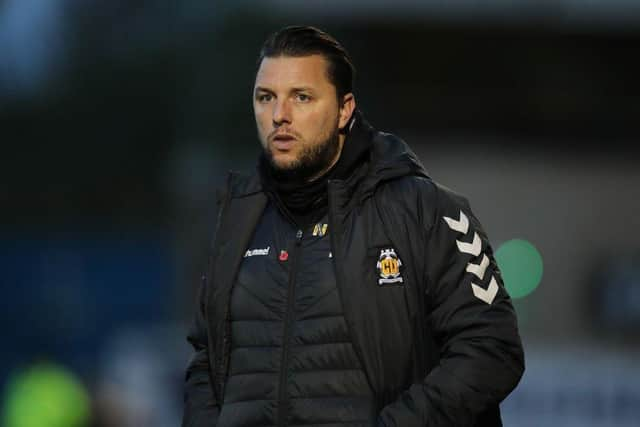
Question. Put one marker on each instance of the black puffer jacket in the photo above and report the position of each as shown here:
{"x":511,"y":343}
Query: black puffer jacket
{"x":292,"y":359}
{"x":426,"y":310}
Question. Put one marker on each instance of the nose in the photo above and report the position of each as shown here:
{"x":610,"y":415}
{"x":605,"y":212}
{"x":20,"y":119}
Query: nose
{"x":281,"y":113}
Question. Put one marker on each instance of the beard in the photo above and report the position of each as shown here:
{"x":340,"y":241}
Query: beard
{"x":311,"y":162}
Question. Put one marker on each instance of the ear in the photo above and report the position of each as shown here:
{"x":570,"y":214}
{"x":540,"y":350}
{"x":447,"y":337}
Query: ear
{"x":346,"y":110}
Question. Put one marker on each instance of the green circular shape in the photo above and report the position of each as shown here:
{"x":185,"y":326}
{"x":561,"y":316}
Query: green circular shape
{"x":521,"y":266}
{"x":46,"y":395}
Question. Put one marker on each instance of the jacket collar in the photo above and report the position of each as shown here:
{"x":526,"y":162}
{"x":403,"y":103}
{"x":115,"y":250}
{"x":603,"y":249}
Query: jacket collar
{"x":390,"y":158}
{"x":242,"y":185}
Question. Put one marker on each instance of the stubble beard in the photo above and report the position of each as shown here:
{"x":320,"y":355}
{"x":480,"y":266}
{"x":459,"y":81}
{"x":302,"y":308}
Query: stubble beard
{"x":310,"y":164}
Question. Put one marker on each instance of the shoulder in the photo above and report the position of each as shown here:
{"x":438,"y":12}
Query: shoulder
{"x":239,"y":184}
{"x":422,"y":196}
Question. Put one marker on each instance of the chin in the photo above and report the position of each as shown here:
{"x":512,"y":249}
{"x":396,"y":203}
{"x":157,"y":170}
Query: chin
{"x":284,"y":162}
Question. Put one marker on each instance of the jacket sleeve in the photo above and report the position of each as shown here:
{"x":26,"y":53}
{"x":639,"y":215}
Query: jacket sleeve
{"x":471,"y":319}
{"x":200,"y":406}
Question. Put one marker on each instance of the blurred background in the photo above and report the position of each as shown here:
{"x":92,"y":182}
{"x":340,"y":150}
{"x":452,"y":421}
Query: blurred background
{"x":119,"y":119}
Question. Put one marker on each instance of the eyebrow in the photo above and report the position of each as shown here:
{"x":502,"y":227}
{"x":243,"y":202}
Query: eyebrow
{"x":262,"y":89}
{"x":294,"y":89}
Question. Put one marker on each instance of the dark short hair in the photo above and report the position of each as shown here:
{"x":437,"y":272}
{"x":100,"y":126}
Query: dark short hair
{"x":300,"y":41}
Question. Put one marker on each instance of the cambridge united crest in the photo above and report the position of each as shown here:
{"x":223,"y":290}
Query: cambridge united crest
{"x":388,"y":267}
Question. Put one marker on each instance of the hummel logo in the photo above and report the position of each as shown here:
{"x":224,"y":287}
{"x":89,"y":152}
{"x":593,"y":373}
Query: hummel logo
{"x":486,"y":295}
{"x":479,"y":269}
{"x":472,"y":248}
{"x":462,"y":225}
{"x":257,"y":252}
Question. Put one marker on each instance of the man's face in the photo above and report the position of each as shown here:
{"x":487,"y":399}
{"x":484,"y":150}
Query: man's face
{"x":298,"y":114}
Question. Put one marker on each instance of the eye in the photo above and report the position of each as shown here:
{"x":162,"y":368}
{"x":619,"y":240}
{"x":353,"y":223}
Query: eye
{"x":264,"y":97}
{"x":303,"y":97}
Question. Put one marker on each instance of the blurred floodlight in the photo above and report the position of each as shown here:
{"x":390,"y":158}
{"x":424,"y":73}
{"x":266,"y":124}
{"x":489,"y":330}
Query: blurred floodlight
{"x":45,"y":395}
{"x":31,"y":44}
{"x":521,"y":266}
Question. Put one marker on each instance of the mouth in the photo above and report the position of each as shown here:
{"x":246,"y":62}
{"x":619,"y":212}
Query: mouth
{"x":283,"y":141}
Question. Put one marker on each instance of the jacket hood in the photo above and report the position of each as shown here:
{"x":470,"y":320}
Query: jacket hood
{"x":390,"y":158}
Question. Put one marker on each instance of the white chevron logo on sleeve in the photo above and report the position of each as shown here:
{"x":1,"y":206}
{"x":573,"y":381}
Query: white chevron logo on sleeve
{"x":461,"y":225}
{"x":472,"y":248}
{"x":479,"y":269}
{"x":486,"y":295}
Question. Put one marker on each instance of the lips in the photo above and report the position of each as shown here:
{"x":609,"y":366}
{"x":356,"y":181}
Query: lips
{"x":283,"y":142}
{"x":283,"y":137}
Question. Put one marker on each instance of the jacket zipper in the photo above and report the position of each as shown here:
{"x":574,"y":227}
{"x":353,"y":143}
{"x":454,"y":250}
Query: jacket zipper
{"x":282,"y":400}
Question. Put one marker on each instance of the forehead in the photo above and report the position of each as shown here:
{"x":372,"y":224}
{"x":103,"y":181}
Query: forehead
{"x":282,"y":72}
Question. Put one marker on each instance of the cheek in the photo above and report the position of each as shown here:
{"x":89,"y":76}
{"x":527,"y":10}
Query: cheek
{"x":262,"y":124}
{"x":324,"y":125}
{"x":318,"y":124}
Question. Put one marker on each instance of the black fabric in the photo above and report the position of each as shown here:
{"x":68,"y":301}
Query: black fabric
{"x":305,"y":202}
{"x":323,"y":380}
{"x":441,"y":348}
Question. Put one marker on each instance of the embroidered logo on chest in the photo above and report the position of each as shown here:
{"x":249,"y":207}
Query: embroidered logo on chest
{"x":388,"y":267}
{"x":320,"y":229}
{"x":257,"y":252}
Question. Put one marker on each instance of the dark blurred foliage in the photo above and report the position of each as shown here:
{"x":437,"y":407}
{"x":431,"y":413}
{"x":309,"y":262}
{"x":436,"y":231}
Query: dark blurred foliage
{"x":140,"y":78}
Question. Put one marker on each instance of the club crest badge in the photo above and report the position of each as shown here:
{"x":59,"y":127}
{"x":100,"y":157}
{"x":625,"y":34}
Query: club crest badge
{"x":388,"y":267}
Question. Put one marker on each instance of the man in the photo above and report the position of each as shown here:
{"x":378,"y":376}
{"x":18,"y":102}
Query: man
{"x":345,"y":287}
